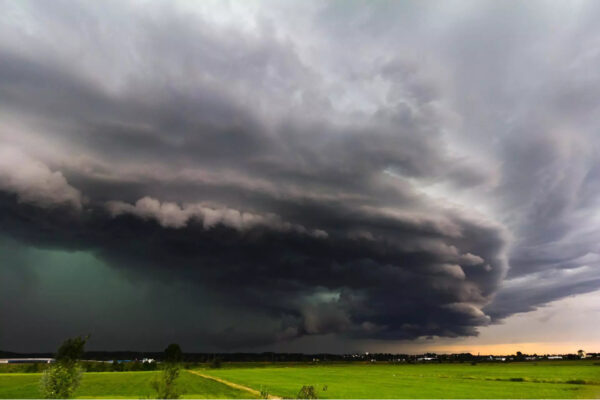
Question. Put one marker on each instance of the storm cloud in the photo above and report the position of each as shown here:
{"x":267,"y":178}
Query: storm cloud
{"x":365,"y":170}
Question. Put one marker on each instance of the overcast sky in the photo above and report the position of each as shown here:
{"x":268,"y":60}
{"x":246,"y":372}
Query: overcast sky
{"x":300,"y":176}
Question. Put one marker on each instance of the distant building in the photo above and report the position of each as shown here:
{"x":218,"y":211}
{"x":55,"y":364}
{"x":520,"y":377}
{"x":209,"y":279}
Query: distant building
{"x":554,"y":357}
{"x":26,"y":360}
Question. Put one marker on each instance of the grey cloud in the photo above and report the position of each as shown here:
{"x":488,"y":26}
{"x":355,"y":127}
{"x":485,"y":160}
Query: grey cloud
{"x":531,"y":291}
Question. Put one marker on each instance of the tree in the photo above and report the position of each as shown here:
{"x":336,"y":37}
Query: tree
{"x":173,"y":353}
{"x":71,"y":350}
{"x":165,"y":385}
{"x":62,"y":379}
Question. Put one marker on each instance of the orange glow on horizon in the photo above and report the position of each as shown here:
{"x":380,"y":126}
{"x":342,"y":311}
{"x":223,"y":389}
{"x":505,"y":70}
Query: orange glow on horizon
{"x":525,"y":347}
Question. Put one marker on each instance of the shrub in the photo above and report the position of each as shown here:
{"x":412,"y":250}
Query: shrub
{"x":307,"y":392}
{"x":60,"y":381}
{"x":149,"y":366}
{"x":117,"y":366}
{"x":35,"y":367}
{"x":517,"y":379}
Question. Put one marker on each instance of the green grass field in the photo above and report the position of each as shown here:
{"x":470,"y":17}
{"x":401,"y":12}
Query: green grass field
{"x":569,"y":379}
{"x":517,"y":380}
{"x":119,"y":385}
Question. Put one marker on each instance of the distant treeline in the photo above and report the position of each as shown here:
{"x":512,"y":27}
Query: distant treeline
{"x":131,"y":357}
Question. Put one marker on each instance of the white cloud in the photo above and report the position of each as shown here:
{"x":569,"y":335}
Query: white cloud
{"x":33,"y":182}
{"x":172,"y":215}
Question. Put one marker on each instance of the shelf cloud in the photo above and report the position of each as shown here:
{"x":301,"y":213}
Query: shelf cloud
{"x":386,"y":171}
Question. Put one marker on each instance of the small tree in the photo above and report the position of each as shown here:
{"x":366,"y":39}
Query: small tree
{"x":165,"y":385}
{"x":62,"y":379}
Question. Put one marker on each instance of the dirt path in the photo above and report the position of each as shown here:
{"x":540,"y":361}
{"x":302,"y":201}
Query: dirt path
{"x":233,"y":385}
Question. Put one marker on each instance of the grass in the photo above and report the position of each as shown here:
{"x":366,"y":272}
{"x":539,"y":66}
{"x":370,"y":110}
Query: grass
{"x":119,"y":385}
{"x":574,"y":379}
{"x":555,"y":379}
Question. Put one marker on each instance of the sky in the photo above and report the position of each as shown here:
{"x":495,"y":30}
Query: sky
{"x":300,"y":176}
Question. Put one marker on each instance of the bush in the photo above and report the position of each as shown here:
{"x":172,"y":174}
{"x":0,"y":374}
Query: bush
{"x":149,"y":366}
{"x":35,"y":367}
{"x":517,"y":379}
{"x":136,"y":366}
{"x":95,"y":366}
{"x":117,"y":366}
{"x":215,"y":363}
{"x":307,"y":392}
{"x":60,"y":381}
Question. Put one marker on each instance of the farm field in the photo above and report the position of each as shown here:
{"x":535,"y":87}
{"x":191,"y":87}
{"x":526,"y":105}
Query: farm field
{"x":571,"y":379}
{"x":119,"y":385}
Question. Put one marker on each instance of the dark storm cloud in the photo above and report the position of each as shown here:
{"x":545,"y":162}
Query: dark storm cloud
{"x":304,"y":184}
{"x":314,"y":283}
